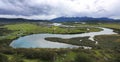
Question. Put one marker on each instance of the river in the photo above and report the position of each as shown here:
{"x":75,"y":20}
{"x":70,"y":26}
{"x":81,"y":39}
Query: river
{"x":38,"y":40}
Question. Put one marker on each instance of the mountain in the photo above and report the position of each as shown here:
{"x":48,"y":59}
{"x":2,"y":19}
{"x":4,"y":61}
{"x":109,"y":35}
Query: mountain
{"x":19,"y":20}
{"x":60,"y":19}
{"x":83,"y":19}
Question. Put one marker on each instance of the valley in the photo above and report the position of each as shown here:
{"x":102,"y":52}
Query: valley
{"x":107,"y":49}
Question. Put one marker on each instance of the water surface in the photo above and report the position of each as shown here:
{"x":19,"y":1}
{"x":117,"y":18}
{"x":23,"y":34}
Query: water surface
{"x":38,"y":40}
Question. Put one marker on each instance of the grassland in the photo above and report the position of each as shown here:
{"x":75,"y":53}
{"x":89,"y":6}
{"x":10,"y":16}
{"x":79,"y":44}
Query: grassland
{"x":108,"y":25}
{"x":33,"y":28}
{"x":106,"y":51}
{"x":22,"y":29}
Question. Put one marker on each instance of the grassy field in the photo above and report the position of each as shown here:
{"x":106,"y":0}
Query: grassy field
{"x":106,"y":51}
{"x":48,"y":29}
{"x":110,"y":25}
{"x":17,"y":30}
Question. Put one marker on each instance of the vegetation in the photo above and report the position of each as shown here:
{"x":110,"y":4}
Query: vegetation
{"x":114,"y":26}
{"x":82,"y":57}
{"x":108,"y":41}
{"x":3,"y":58}
{"x":33,"y":28}
{"x":107,"y":49}
{"x":80,"y":41}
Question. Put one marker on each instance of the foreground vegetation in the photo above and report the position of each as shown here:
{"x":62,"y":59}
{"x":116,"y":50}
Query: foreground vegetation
{"x":107,"y":49}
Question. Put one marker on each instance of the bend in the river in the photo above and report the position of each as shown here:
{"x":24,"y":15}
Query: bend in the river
{"x":38,"y":40}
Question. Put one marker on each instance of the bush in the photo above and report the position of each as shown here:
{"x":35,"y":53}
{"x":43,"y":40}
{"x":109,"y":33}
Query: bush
{"x":16,"y":58}
{"x":82,"y":57}
{"x":3,"y":58}
{"x":117,"y":58}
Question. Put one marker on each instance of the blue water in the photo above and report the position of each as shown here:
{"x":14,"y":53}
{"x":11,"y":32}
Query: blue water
{"x":38,"y":40}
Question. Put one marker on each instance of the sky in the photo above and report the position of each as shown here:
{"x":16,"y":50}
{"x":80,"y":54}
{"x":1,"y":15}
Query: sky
{"x":49,"y":9}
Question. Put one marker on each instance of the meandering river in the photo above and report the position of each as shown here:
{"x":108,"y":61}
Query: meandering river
{"x":38,"y":40}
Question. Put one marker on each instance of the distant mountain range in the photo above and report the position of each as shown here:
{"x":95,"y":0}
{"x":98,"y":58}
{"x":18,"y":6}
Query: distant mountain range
{"x":62,"y":19}
{"x":83,"y":19}
{"x":19,"y":20}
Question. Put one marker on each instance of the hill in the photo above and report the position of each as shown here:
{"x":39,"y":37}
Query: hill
{"x":8,"y":20}
{"x":61,"y":19}
{"x":83,"y":19}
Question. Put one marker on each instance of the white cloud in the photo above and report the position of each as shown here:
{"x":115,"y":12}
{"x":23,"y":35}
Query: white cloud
{"x":48,"y":9}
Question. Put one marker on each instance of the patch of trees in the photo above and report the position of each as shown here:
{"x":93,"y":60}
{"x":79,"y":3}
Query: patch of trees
{"x":42,"y":54}
{"x":51,"y":55}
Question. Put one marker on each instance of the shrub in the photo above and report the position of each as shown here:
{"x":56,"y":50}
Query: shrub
{"x":3,"y":58}
{"x":82,"y":57}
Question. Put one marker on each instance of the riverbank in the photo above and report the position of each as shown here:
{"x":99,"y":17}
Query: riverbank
{"x":38,"y":40}
{"x":106,"y":51}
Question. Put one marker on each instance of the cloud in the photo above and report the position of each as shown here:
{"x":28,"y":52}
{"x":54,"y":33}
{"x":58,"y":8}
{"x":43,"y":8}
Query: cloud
{"x":48,"y":9}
